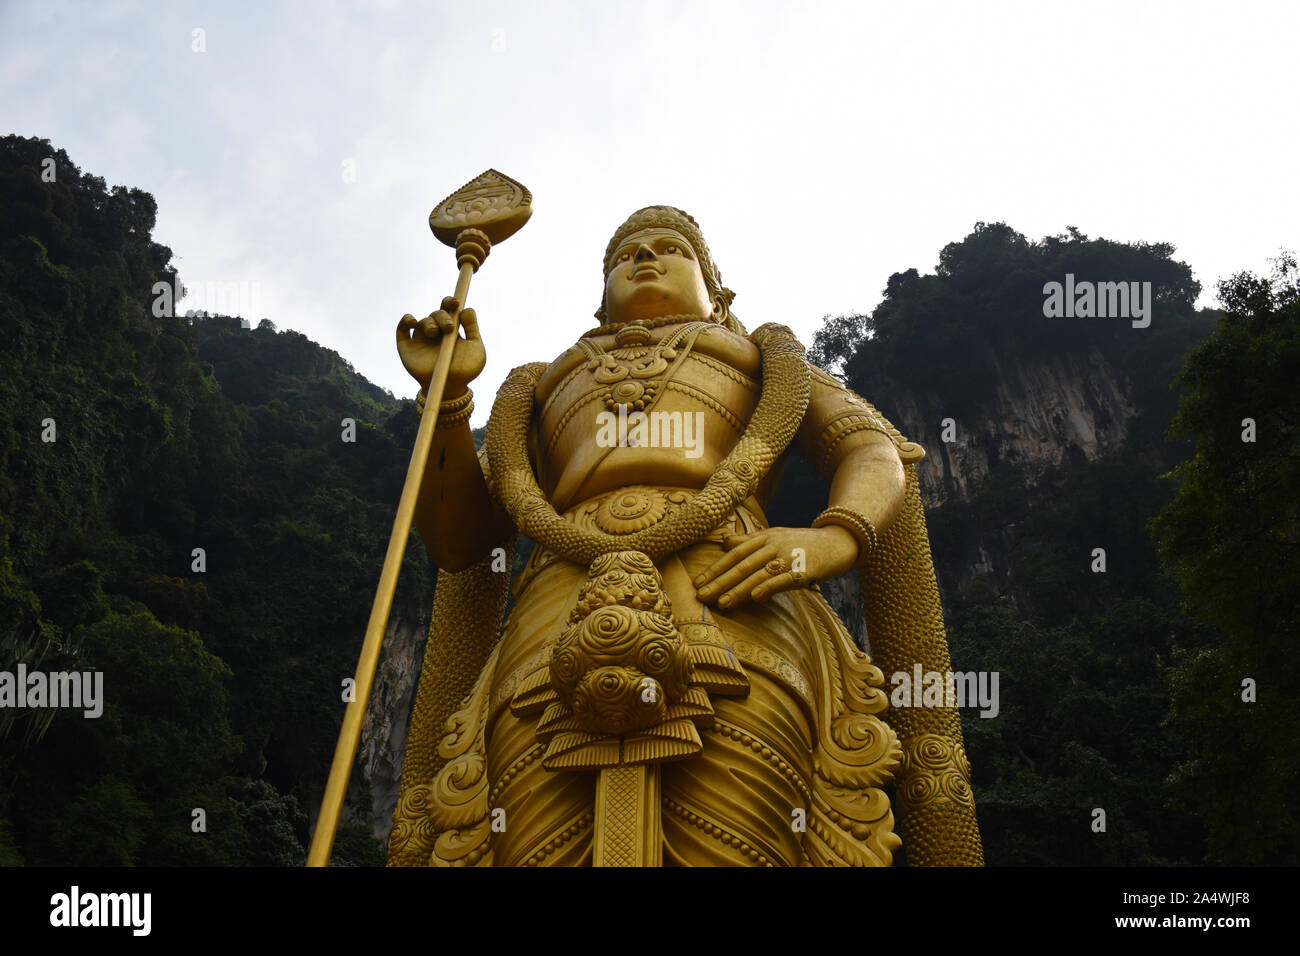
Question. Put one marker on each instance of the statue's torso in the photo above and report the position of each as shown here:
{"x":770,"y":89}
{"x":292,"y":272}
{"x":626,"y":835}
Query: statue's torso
{"x":698,"y":396}
{"x":792,"y":724}
{"x":712,"y":377}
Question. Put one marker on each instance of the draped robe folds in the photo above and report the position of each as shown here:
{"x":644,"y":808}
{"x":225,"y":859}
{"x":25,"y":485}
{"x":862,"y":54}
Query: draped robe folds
{"x":793,"y":765}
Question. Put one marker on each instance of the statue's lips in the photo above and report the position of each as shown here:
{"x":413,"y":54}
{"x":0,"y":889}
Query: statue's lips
{"x":646,"y":270}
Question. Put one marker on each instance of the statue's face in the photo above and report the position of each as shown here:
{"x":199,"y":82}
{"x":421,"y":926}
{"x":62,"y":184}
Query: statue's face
{"x":655,"y":272}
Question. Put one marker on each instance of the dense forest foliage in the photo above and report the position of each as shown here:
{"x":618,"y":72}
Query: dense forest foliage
{"x":1121,"y":691}
{"x":1232,"y":537}
{"x":222,"y":679}
{"x":130,"y":439}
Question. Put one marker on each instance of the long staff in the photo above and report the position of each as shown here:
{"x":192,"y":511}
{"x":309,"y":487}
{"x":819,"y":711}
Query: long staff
{"x":487,"y":210}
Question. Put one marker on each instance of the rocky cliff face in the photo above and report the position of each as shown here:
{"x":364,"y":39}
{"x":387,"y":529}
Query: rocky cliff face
{"x":388,"y":716}
{"x":1060,"y":408}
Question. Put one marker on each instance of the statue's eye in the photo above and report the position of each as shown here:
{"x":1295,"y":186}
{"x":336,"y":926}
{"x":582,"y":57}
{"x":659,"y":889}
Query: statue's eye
{"x":673,"y":249}
{"x":624,"y":257}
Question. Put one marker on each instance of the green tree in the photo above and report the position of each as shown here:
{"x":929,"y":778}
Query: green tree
{"x":172,"y":434}
{"x":1082,"y":657}
{"x":1232,"y":534}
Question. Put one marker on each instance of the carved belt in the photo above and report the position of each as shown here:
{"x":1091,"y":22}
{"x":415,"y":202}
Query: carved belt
{"x":634,"y":508}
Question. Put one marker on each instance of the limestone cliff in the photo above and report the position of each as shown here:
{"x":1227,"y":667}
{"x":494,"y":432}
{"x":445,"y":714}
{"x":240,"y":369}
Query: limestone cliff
{"x":388,"y":717}
{"x":1065,"y":408}
{"x":1061,"y":408}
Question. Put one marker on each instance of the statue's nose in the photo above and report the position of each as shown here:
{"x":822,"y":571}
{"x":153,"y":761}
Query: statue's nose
{"x":643,"y":252}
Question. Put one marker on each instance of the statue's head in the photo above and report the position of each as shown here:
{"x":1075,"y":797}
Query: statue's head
{"x":658,"y":264}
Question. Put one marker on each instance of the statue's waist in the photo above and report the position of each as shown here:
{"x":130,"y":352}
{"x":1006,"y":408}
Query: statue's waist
{"x":767,"y":637}
{"x":773,"y":637}
{"x":634,"y":508}
{"x":610,"y":458}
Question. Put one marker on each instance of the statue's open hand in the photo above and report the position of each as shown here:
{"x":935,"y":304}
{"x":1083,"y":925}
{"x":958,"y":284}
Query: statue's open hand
{"x":419,"y":340}
{"x":761,"y":564}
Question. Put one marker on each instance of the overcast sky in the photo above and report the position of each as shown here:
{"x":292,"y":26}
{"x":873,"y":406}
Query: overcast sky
{"x":821,"y":146}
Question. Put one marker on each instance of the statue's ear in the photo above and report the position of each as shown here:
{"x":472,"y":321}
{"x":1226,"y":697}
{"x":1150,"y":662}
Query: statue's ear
{"x":722,"y":300}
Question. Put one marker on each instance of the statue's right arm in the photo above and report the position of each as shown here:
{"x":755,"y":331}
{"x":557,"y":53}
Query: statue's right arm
{"x":455,"y":515}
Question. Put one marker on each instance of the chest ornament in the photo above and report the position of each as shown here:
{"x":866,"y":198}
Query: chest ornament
{"x":632,"y":375}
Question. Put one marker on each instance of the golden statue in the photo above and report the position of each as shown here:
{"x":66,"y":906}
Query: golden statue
{"x":671,"y":688}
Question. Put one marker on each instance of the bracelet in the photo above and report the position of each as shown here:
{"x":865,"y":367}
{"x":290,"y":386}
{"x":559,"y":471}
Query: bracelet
{"x":451,"y":411}
{"x":855,"y":524}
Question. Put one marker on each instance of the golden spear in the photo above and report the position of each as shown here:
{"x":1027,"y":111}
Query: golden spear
{"x":487,"y":210}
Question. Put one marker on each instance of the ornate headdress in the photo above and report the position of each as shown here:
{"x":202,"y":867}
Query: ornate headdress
{"x":670,"y":217}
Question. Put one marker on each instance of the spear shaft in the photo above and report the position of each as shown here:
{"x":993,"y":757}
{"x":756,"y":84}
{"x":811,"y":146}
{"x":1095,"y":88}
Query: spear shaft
{"x":345,"y":752}
{"x":485,"y":211}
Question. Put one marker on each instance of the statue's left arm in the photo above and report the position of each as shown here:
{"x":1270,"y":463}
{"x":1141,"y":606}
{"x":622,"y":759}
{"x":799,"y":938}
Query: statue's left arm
{"x":875,"y":493}
{"x":851,"y":448}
